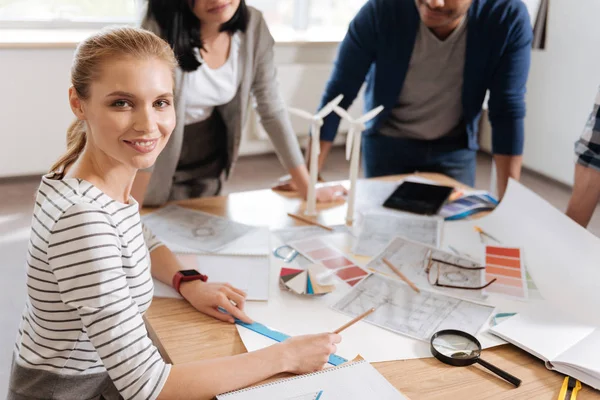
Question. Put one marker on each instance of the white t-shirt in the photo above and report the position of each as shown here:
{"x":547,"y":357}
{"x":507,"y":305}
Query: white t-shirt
{"x":208,"y":88}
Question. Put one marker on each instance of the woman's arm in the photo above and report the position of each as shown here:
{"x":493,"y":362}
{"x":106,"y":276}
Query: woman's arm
{"x":208,"y":378}
{"x":206,"y":297}
{"x":275,"y":119}
{"x":82,"y":254}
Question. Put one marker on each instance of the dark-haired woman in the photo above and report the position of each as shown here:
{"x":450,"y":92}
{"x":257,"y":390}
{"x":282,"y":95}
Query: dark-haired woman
{"x":225,"y":54}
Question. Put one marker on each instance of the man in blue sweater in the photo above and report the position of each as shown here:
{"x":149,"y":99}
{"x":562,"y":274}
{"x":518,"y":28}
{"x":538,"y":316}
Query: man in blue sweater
{"x":430,"y":64}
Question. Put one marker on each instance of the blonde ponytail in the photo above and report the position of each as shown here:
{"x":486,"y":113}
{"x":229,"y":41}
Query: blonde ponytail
{"x":75,"y":144}
{"x":89,"y":57}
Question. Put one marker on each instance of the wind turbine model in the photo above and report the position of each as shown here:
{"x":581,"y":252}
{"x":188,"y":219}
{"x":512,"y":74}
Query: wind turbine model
{"x":315,"y":133}
{"x":357,"y":126}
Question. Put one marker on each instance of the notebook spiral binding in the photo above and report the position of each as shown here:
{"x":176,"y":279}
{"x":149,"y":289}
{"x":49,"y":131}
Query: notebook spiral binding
{"x":282,"y":381}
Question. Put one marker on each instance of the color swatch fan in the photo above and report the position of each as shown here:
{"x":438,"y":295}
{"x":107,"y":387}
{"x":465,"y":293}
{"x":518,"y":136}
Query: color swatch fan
{"x":303,"y":281}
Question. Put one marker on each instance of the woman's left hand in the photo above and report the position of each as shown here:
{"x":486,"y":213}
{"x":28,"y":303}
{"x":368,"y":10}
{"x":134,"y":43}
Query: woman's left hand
{"x":208,"y":298}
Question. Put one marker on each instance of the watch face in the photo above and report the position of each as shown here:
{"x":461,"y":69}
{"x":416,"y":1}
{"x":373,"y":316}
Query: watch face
{"x":189,"y":272}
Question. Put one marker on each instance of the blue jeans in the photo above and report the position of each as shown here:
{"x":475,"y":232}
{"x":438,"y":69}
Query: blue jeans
{"x":384,"y":155}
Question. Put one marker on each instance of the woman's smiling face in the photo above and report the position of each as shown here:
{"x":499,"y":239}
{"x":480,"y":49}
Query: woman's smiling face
{"x":129,"y":112}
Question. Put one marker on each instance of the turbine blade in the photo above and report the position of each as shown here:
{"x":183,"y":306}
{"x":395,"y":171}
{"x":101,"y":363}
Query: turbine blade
{"x":342,"y":113}
{"x":371,"y":114}
{"x":329,"y":107}
{"x":300,"y":113}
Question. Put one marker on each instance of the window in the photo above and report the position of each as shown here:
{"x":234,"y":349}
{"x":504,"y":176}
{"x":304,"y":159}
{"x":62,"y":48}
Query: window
{"x":287,"y":19}
{"x":310,"y":19}
{"x":66,"y":13}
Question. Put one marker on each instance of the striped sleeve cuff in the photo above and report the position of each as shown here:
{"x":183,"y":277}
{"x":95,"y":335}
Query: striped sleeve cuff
{"x":151,"y":240}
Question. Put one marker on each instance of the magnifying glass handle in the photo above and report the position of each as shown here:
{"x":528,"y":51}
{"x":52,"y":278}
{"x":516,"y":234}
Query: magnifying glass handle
{"x":501,"y":373}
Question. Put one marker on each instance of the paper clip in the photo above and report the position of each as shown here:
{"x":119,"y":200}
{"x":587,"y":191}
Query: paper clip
{"x":569,"y":389}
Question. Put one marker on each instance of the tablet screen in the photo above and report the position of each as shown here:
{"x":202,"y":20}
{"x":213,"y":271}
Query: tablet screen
{"x":419,"y":198}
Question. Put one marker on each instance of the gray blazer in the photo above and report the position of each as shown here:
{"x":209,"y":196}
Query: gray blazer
{"x":258,"y":81}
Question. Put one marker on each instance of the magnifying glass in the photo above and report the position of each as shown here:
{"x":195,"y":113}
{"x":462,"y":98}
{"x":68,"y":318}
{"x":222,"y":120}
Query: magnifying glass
{"x":460,"y":349}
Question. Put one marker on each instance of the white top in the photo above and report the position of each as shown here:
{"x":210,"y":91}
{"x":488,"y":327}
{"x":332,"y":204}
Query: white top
{"x":88,"y":283}
{"x":209,"y":88}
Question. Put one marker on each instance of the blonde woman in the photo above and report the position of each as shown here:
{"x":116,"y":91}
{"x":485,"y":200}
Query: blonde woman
{"x":226,"y":64}
{"x":89,"y":279}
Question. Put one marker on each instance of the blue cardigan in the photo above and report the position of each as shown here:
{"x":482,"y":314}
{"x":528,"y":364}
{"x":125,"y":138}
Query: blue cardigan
{"x":379,"y":44}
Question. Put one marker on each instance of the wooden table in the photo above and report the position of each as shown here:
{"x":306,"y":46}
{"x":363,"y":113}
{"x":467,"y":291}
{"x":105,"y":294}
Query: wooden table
{"x":183,"y":334}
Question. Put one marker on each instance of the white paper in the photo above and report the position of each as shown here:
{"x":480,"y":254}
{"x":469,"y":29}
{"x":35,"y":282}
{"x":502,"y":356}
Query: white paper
{"x":307,"y":396}
{"x":584,"y":354}
{"x":297,"y":315}
{"x":353,"y":381}
{"x":378,"y":229}
{"x":561,"y":256}
{"x":543,"y":331}
{"x":186,"y":230}
{"x":254,"y":243}
{"x":412,"y":258}
{"x":165,"y":291}
{"x":292,"y":234}
{"x":419,"y":315}
{"x":371,"y":194}
{"x":250,"y":274}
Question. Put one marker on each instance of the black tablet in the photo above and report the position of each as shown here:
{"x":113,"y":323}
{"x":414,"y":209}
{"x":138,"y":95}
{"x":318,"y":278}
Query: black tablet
{"x":419,"y":198}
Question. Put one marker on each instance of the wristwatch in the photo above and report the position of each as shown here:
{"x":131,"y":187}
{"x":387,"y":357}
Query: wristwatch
{"x":187,"y":275}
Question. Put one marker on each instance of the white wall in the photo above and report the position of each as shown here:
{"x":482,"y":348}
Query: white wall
{"x":34,"y":111}
{"x":562,"y":87}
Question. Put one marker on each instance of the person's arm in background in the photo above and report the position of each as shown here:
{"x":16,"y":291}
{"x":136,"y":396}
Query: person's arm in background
{"x":586,"y":189}
{"x":355,"y":56}
{"x":275,"y":119}
{"x":585,"y":196}
{"x":507,"y":100}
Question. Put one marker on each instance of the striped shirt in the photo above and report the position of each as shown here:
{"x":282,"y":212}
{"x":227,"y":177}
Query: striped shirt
{"x":82,"y":335}
{"x":587,"y":148}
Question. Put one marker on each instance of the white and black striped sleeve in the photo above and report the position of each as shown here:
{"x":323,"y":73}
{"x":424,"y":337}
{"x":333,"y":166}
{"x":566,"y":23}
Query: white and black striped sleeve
{"x":151,"y":240}
{"x":85,"y":256}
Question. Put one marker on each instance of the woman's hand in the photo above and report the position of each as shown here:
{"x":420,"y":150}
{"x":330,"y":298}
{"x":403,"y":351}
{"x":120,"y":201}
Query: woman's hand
{"x":309,"y":353}
{"x":208,"y":298}
{"x":325,"y":194}
{"x":330,"y":194}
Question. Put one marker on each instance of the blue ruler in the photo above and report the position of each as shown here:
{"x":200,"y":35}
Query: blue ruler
{"x":334,"y":360}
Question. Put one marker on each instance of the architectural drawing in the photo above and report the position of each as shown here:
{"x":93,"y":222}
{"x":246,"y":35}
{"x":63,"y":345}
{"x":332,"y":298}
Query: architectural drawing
{"x":296,"y":233}
{"x":377,"y":230}
{"x":402,"y":310}
{"x":186,"y":230}
{"x":413,"y":260}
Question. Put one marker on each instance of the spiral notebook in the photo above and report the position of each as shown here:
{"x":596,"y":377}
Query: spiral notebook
{"x":351,"y":381}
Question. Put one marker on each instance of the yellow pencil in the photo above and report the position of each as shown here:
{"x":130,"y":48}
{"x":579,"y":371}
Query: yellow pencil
{"x":401,"y":275}
{"x":309,"y":221}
